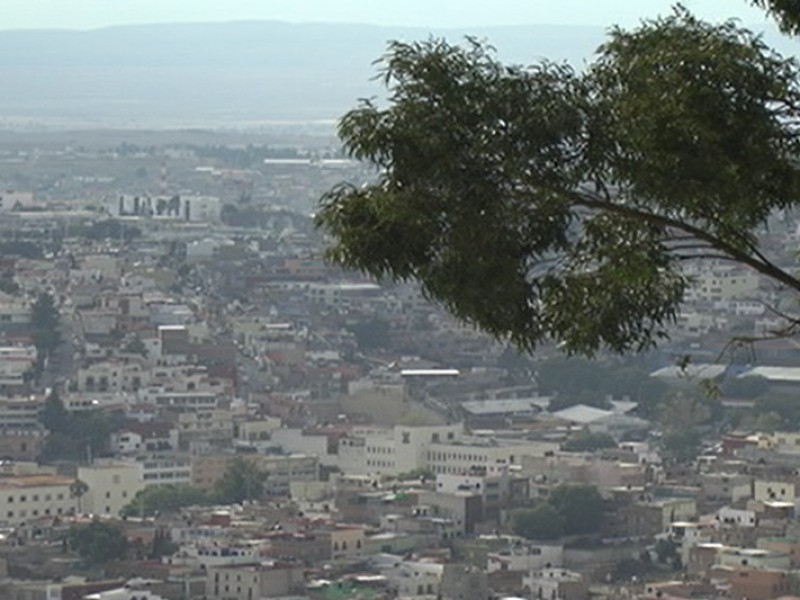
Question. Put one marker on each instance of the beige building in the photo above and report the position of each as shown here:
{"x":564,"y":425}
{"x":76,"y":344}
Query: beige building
{"x":111,"y":376}
{"x":347,"y":541}
{"x":111,"y":487}
{"x":281,"y":470}
{"x":27,"y":497}
{"x":254,"y":581}
{"x":764,"y":491}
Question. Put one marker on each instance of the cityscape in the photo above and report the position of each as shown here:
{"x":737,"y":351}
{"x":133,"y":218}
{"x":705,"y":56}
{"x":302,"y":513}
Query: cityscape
{"x":196,"y":403}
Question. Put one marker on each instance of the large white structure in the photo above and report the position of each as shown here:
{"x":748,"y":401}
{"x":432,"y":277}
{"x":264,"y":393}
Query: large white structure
{"x":29,"y":497}
{"x":194,"y":208}
{"x":14,"y":200}
{"x":438,"y":448}
{"x":111,"y":486}
{"x":392,"y":451}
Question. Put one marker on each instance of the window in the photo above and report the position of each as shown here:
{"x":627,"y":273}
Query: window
{"x":406,"y":437}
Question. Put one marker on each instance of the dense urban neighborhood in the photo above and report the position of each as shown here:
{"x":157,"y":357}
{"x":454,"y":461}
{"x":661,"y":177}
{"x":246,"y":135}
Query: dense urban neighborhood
{"x":194,"y":404}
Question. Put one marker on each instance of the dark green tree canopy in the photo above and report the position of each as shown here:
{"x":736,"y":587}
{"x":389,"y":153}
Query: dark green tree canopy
{"x":242,"y":481}
{"x":165,"y":499}
{"x":98,"y":542}
{"x":541,"y":204}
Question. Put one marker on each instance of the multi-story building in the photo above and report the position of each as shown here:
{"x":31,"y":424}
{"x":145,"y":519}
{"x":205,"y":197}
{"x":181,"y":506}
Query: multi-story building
{"x":280,"y":470}
{"x":165,"y":469}
{"x":21,"y":414}
{"x":764,"y":491}
{"x":392,"y":451}
{"x":722,"y":283}
{"x":111,"y":376}
{"x":15,"y":364}
{"x":27,"y":497}
{"x":111,"y":486}
{"x":138,"y":438}
{"x":556,"y":583}
{"x":254,"y":581}
{"x":497,"y":491}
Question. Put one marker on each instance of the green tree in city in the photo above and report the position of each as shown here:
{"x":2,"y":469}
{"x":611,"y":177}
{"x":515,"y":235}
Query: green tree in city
{"x":581,"y":507}
{"x":162,"y":544}
{"x":372,"y":333}
{"x":543,"y":204}
{"x":77,"y":490}
{"x":242,"y":481}
{"x":54,"y":416}
{"x":8,"y":285}
{"x":45,"y":327}
{"x":165,"y":499}
{"x":136,"y":346}
{"x":543,"y":522}
{"x":568,"y":510}
{"x":98,"y":543}
{"x":586,"y":441}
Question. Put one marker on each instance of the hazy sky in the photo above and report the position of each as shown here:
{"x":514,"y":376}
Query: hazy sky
{"x":91,"y":14}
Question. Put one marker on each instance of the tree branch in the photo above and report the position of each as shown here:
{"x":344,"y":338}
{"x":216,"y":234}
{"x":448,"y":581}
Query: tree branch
{"x":758,"y":263}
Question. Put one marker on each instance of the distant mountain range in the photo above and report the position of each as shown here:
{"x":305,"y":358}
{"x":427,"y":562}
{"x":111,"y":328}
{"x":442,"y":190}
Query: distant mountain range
{"x":226,"y":73}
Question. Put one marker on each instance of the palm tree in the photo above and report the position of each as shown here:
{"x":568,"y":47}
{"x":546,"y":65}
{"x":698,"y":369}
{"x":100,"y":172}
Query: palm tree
{"x":77,"y":489}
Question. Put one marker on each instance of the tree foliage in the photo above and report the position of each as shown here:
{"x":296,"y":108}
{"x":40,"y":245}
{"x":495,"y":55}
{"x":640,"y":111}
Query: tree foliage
{"x":576,"y":380}
{"x":541,"y":204}
{"x":787,"y":13}
{"x":98,"y":543}
{"x":241,"y":481}
{"x":110,"y":229}
{"x":569,"y":510}
{"x":372,"y":333}
{"x":165,"y":499}
{"x":540,"y":523}
{"x":586,"y":441}
{"x":45,"y":323}
{"x":74,"y":436}
{"x":581,"y":506}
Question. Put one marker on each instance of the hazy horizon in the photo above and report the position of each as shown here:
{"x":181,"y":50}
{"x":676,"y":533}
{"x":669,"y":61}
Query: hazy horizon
{"x":99,"y":14}
{"x":266,"y":67}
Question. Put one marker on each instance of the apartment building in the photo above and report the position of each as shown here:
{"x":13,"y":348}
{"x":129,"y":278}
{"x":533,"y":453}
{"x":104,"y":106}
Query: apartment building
{"x":31,"y":496}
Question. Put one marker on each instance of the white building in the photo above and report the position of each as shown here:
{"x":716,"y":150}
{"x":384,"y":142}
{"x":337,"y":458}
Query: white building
{"x":525,"y":557}
{"x":125,"y":593}
{"x":11,"y":200}
{"x":764,"y":491}
{"x":392,"y":451}
{"x":439,"y":448}
{"x":169,"y":469}
{"x":722,"y":284}
{"x":554,"y":584}
{"x":111,"y":487}
{"x":28,"y":497}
